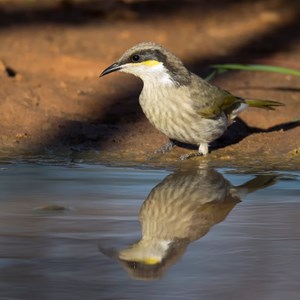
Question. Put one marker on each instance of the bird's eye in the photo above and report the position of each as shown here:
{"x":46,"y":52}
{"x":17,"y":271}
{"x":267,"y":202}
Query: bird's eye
{"x":135,"y":58}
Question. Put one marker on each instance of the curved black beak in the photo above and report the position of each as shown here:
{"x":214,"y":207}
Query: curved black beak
{"x":114,"y":67}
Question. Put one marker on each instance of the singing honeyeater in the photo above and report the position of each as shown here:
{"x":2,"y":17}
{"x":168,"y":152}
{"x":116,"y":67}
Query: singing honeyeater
{"x":177,"y":102}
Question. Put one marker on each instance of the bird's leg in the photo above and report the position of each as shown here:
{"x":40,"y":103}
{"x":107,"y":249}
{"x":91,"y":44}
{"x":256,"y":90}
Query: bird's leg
{"x":165,"y":148}
{"x":203,"y":150}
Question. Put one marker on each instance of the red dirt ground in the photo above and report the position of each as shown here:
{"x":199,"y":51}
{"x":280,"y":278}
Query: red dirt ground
{"x":52,"y":52}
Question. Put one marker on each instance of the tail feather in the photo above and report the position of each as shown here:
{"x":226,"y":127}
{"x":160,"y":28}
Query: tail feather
{"x":265,"y":104}
{"x":257,"y":183}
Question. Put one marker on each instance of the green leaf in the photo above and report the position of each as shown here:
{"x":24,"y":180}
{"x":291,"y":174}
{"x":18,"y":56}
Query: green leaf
{"x":260,"y":68}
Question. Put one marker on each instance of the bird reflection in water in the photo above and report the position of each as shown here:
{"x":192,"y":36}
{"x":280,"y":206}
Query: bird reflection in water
{"x":179,"y":210}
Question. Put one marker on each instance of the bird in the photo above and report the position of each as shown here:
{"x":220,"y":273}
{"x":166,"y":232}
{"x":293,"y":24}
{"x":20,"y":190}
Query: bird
{"x":181,"y":209}
{"x":180,"y":104}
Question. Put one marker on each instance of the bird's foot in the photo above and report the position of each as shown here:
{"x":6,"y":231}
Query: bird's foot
{"x":203,"y":150}
{"x":189,"y":155}
{"x":165,"y":148}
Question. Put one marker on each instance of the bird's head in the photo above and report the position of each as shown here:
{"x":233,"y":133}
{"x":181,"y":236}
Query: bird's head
{"x":150,"y":258}
{"x":146,"y":251}
{"x":152,"y":63}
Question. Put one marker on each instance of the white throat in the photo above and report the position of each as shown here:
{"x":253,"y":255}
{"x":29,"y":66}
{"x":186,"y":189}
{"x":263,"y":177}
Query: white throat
{"x":151,"y":75}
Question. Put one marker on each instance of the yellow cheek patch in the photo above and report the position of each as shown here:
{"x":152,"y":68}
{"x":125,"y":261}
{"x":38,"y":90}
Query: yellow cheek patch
{"x":148,"y":63}
{"x":151,"y":260}
{"x":146,"y":261}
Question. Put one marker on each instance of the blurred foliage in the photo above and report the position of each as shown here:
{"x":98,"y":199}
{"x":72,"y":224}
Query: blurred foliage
{"x":219,"y":69}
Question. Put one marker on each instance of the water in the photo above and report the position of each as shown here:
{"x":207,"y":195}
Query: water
{"x":73,"y":232}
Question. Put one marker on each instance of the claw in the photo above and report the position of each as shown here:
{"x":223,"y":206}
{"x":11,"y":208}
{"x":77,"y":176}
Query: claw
{"x":190,"y":155}
{"x":165,"y":148}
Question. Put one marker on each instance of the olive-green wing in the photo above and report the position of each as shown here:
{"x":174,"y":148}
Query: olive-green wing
{"x":211,"y":101}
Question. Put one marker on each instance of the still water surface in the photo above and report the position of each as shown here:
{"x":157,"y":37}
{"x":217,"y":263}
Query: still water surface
{"x":97,"y":232}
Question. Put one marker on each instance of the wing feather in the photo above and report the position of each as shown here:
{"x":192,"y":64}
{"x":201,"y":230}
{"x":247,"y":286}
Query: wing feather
{"x":210,"y":101}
